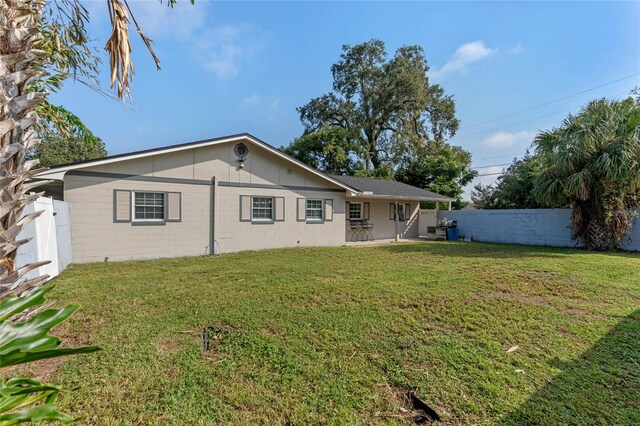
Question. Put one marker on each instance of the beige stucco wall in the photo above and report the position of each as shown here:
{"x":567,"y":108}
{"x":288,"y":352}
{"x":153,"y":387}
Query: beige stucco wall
{"x":383,"y":227}
{"x":95,"y":236}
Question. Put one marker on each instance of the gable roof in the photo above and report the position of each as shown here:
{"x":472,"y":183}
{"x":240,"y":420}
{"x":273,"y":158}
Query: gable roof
{"x":377,"y":188}
{"x":381,"y":188}
{"x":58,"y":172}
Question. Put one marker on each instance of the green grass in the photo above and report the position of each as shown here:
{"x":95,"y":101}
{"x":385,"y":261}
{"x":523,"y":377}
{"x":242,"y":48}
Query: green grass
{"x":331,"y":335}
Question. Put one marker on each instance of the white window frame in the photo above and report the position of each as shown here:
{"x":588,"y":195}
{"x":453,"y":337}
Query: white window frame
{"x":361,"y":216}
{"x":307,"y":209}
{"x":263,"y":219}
{"x":154,"y":220}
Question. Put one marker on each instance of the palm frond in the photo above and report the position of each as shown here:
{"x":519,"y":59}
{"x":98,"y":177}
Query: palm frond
{"x":119,"y":48}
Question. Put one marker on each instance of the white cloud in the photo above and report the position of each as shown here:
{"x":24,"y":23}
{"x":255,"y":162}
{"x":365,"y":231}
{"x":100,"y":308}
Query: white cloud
{"x":506,"y":140}
{"x":464,"y":56}
{"x":223,"y":49}
{"x":253,"y":100}
{"x":265,"y":105}
{"x":160,"y":21}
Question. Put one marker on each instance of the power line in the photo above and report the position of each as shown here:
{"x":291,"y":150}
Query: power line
{"x":491,"y":165}
{"x":501,"y":156}
{"x":522,"y":122}
{"x":550,"y":102}
{"x":490,"y":174}
{"x":515,"y":124}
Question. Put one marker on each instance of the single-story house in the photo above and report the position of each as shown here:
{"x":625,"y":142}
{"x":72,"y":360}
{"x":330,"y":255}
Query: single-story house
{"x":223,"y":195}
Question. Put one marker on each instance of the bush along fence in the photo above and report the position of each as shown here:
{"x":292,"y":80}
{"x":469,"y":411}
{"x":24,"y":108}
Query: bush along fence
{"x":538,"y":227}
{"x":50,"y":238}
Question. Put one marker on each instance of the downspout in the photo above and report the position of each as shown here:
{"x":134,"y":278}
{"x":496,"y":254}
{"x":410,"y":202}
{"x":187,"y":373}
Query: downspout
{"x":397,"y":222}
{"x":212,"y":219}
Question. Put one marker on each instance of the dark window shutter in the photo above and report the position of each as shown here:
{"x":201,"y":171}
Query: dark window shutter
{"x":347,"y":209}
{"x":302,"y":210}
{"x":328,"y":210}
{"x":245,"y":208}
{"x":121,"y":205}
{"x":279,"y":206}
{"x":174,"y":207}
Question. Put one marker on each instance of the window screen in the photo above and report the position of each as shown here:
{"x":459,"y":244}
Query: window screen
{"x":314,"y":210}
{"x":149,"y":206}
{"x":262,"y":208}
{"x":355,"y":211}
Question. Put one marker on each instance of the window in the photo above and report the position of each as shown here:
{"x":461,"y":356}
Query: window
{"x":314,"y":210}
{"x":148,"y":206}
{"x":262,"y":209}
{"x":355,"y":211}
{"x":402,"y":209}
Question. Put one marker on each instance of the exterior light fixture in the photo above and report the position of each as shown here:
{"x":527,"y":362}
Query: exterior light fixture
{"x":241,"y":151}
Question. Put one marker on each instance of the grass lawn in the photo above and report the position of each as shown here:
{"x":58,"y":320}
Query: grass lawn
{"x":332,"y":335}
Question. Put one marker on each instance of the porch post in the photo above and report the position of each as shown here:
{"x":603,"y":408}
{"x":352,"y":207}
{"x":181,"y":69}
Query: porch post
{"x":449,"y":205}
{"x":397,"y":223}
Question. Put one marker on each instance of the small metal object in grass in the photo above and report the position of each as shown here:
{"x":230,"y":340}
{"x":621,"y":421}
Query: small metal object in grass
{"x":426,"y":413}
{"x":214,"y":332}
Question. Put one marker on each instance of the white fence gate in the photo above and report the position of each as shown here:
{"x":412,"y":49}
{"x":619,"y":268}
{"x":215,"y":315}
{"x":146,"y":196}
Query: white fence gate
{"x":50,"y":238}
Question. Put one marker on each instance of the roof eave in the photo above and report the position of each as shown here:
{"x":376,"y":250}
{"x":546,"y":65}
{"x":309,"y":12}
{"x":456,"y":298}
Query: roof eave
{"x":403,"y":197}
{"x":58,"y":172}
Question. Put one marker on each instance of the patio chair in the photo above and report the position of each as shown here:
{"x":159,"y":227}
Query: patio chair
{"x":367,"y":230}
{"x":356,"y":229}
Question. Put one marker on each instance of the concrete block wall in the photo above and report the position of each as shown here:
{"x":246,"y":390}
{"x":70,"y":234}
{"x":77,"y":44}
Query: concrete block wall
{"x":233,"y":235}
{"x":96,"y":237}
{"x":538,"y":227}
{"x":632,"y":241}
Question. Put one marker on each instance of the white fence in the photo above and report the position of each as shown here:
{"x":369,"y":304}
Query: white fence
{"x":50,"y":235}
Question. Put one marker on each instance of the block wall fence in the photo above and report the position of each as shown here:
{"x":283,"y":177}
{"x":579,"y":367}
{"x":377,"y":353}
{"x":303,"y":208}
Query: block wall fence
{"x":538,"y":227}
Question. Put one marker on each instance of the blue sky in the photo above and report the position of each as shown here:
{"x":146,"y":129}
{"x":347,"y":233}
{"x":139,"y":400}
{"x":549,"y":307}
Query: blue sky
{"x":233,"y":67}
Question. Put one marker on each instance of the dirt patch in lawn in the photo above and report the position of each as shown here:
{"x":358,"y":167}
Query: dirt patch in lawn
{"x":45,"y":369}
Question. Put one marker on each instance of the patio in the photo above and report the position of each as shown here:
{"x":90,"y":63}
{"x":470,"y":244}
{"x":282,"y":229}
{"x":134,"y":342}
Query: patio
{"x":381,"y":242}
{"x":384,"y":210}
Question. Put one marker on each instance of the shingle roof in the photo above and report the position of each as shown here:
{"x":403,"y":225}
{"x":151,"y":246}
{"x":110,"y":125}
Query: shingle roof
{"x":389,"y":188}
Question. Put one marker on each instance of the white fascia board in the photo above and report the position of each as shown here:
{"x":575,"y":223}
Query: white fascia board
{"x":59,"y":172}
{"x":401,"y":197}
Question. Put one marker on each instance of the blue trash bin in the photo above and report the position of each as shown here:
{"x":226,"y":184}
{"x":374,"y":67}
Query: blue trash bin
{"x":452,"y":234}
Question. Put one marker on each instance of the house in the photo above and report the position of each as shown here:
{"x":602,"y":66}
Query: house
{"x":222,"y":195}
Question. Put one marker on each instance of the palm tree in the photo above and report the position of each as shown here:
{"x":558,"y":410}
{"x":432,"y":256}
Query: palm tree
{"x":24,"y":57}
{"x":592,"y":163}
{"x":30,"y":45}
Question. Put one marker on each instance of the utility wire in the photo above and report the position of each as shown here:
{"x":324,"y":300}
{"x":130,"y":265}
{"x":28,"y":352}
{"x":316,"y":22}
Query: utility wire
{"x":501,"y":156}
{"x":550,"y":102}
{"x":489,"y":174}
{"x":521,"y":122}
{"x":491,"y":165}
